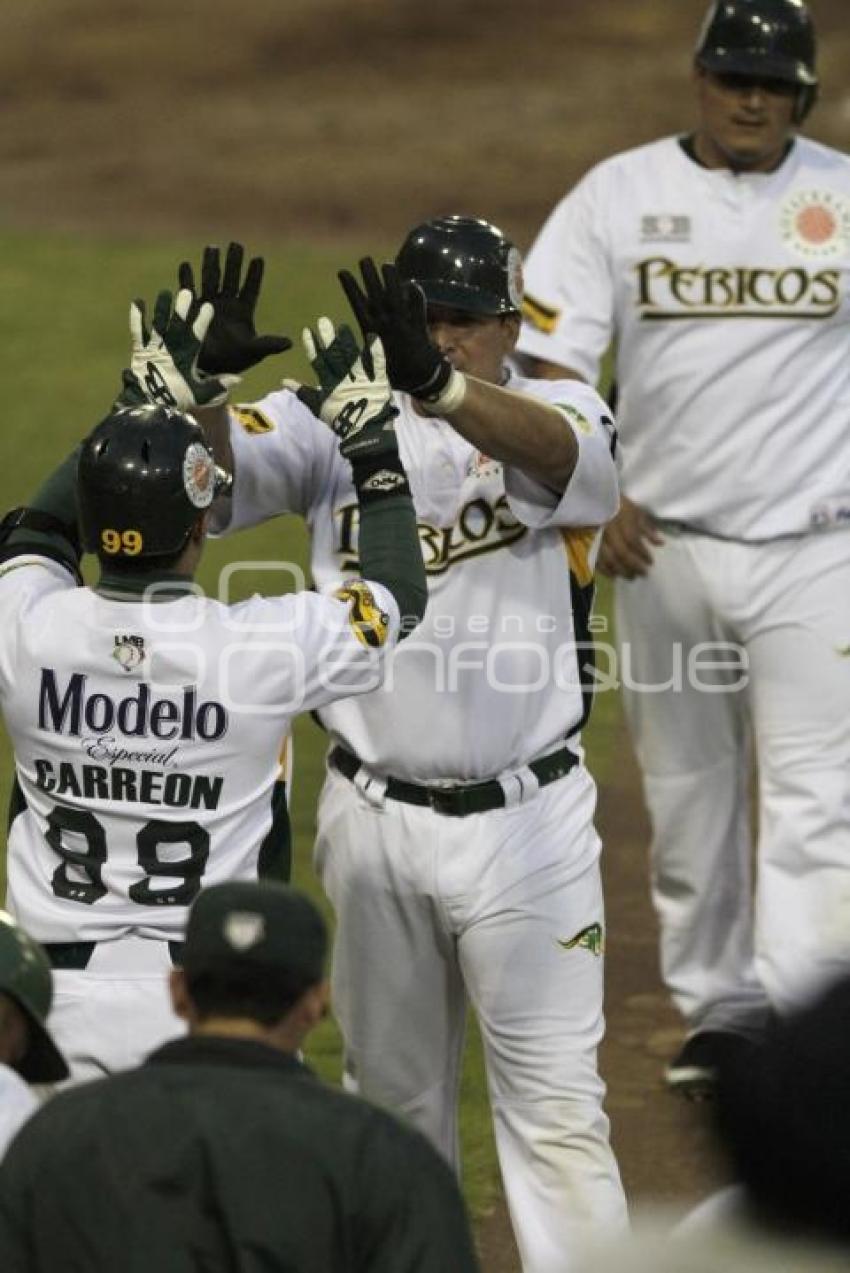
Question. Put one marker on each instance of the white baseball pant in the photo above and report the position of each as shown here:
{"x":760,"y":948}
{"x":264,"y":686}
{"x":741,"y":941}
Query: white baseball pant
{"x":110,"y":1015}
{"x":431,"y":909}
{"x":776,"y":618}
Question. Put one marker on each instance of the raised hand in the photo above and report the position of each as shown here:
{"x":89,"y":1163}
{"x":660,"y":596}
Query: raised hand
{"x":231,"y":343}
{"x":394,"y":310}
{"x":352,"y":394}
{"x":164,"y":356}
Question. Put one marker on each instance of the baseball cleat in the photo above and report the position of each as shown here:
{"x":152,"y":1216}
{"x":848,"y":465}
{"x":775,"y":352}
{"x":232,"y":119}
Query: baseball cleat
{"x":693,"y":1072}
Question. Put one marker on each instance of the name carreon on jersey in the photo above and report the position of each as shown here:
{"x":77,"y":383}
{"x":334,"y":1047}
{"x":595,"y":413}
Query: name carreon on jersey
{"x":71,"y":707}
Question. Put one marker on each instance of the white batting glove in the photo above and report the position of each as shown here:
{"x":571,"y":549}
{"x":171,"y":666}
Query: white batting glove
{"x":353,"y":394}
{"x":164,"y":359}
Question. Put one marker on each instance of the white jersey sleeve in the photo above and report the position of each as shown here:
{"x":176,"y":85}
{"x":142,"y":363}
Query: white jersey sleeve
{"x":569,"y":285}
{"x":282,"y":454}
{"x":307,"y":649}
{"x":591,"y":496}
{"x":24,"y":582}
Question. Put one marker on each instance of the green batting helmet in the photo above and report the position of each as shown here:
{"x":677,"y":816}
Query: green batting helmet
{"x":463,"y":263}
{"x":772,"y":39}
{"x":26,"y":978}
{"x":144,"y":477}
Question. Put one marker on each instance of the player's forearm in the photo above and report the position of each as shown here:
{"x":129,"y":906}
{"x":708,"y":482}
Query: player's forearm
{"x":56,"y":498}
{"x":390,"y":555}
{"x":518,"y":430}
{"x":215,"y":422}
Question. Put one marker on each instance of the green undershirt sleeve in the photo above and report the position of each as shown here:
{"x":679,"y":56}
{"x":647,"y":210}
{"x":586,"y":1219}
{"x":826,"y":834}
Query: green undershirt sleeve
{"x":56,"y":497}
{"x":390,"y":554}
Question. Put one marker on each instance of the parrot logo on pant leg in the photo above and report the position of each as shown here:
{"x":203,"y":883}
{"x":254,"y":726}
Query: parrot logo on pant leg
{"x":591,"y":938}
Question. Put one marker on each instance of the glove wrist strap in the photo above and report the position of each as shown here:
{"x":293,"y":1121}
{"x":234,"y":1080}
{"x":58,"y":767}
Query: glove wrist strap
{"x":379,"y":477}
{"x":450,"y":398}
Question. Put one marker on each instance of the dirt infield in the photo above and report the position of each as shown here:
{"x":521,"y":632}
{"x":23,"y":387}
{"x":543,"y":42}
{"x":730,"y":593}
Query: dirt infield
{"x":339,"y":118}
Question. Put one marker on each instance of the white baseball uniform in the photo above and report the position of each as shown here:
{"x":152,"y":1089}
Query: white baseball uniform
{"x":148,"y":739}
{"x":502,"y":905}
{"x":727,"y":295}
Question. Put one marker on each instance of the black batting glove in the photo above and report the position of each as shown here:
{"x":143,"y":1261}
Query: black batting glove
{"x":394,"y":310}
{"x":231,"y":343}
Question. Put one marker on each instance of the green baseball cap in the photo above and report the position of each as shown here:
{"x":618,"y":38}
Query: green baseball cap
{"x":26,"y":977}
{"x":266,"y":926}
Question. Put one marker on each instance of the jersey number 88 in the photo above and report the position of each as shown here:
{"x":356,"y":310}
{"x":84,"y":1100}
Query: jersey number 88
{"x":88,"y":863}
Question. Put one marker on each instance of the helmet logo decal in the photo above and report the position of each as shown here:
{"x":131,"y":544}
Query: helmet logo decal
{"x":199,"y":475}
{"x":816,"y":223}
{"x":515,"y":279}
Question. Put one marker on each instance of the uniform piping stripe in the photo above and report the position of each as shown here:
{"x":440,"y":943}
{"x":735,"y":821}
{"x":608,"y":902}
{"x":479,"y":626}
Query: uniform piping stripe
{"x":578,"y":543}
{"x":540,"y":315}
{"x":666,"y":316}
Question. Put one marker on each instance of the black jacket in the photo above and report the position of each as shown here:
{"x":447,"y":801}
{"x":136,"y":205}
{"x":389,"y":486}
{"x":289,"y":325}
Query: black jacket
{"x":225,"y":1156}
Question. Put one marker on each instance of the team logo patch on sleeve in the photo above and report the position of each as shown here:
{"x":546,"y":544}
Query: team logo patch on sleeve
{"x":371,"y":624}
{"x":252,"y":420}
{"x":580,"y":421}
{"x":541,"y":316}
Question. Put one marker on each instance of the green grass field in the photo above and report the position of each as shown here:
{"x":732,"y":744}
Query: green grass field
{"x":63,"y":332}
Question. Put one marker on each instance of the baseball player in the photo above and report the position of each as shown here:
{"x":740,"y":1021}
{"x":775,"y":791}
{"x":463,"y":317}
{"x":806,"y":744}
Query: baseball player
{"x":719,"y":260}
{"x":27,"y":1051}
{"x":223,"y":1151}
{"x":147,"y":720}
{"x":455,"y":833}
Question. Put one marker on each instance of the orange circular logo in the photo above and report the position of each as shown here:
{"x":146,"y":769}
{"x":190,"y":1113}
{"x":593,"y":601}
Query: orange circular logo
{"x":816,"y":223}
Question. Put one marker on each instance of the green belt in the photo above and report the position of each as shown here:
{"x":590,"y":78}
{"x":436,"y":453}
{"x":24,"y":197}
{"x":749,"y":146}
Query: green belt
{"x":76,"y":954}
{"x":459,"y":801}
